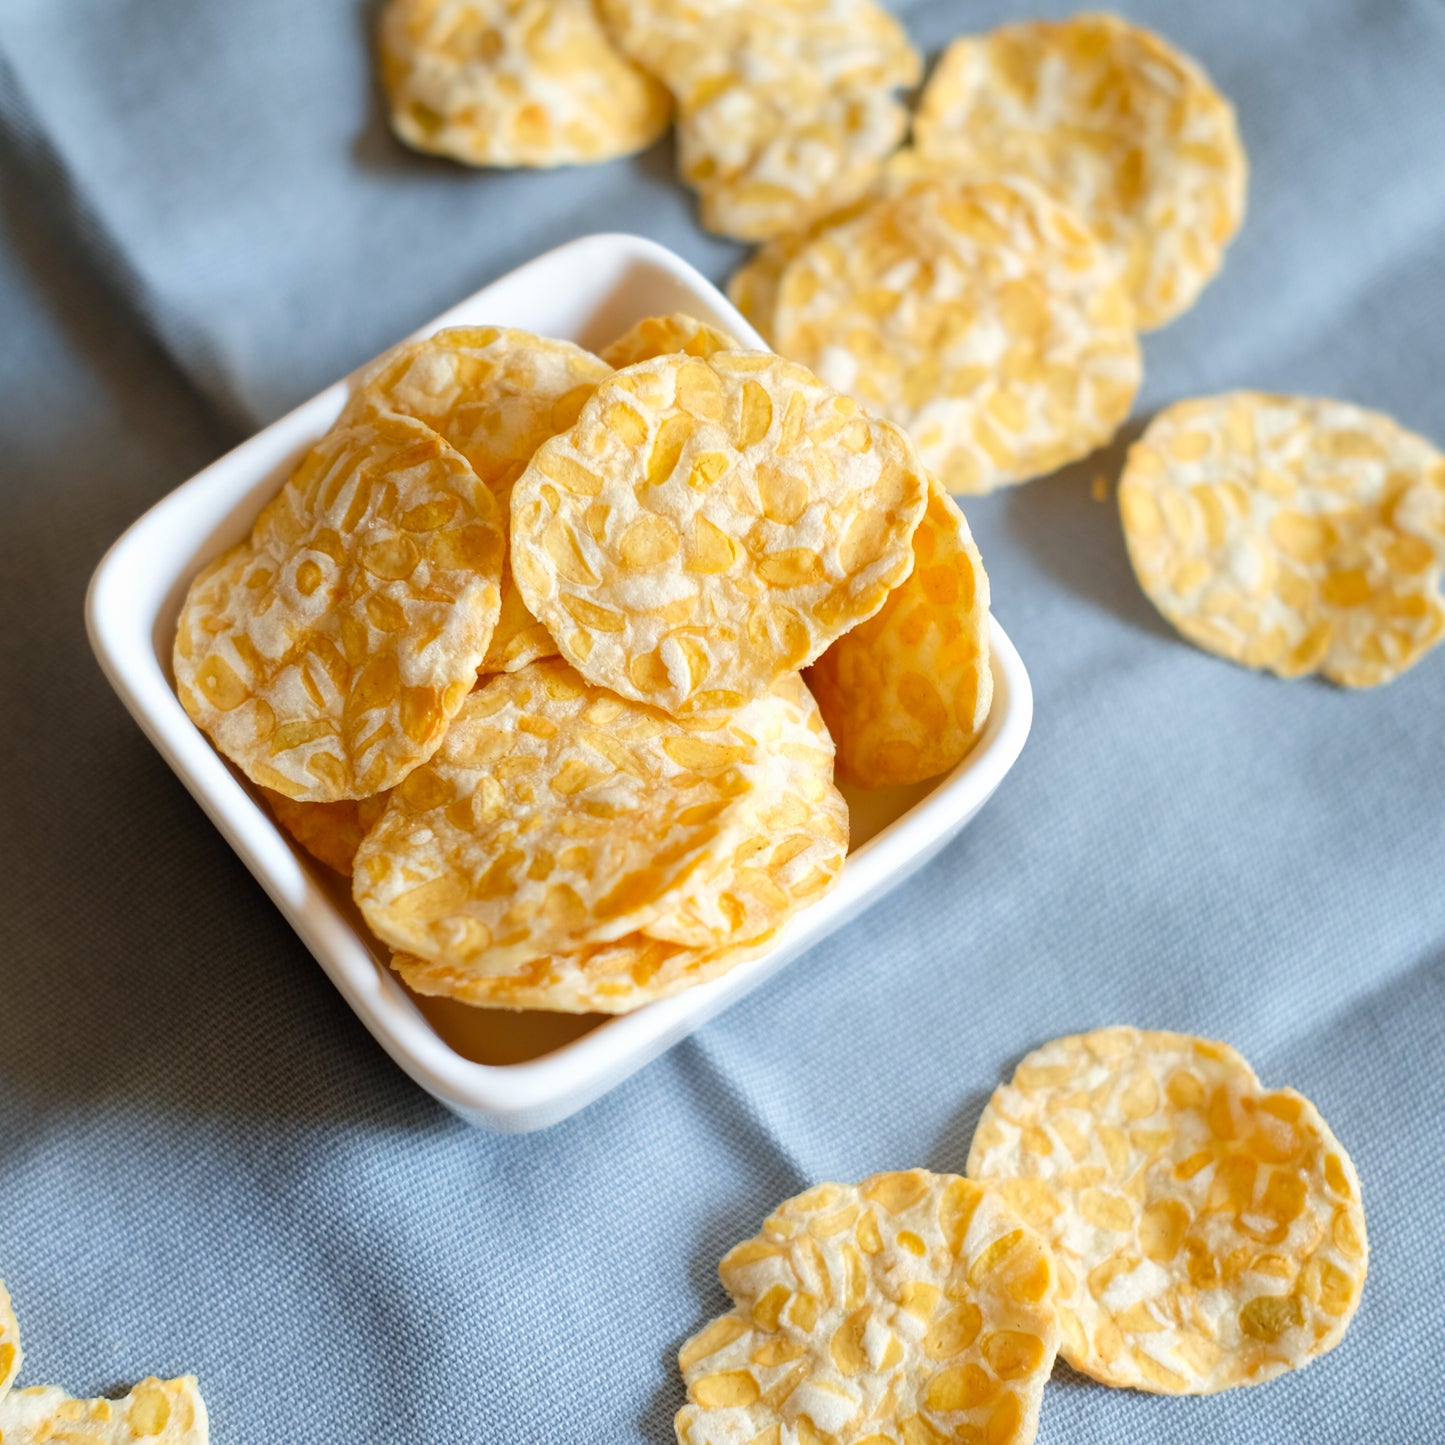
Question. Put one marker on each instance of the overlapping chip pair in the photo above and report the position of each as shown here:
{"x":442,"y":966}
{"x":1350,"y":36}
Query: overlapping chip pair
{"x":1069,"y":184}
{"x":1136,"y":1201}
{"x":165,"y":1412}
{"x":518,"y":647}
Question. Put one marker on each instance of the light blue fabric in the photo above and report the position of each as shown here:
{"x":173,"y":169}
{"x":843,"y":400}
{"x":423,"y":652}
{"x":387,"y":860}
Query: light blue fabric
{"x":206,"y":1164}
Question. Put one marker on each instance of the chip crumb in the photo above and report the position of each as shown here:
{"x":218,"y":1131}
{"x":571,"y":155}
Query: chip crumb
{"x":1099,"y":487}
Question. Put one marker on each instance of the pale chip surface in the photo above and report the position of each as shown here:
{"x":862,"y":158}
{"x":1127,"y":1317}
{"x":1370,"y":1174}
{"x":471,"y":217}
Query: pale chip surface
{"x":159,"y":1412}
{"x":514,"y":83}
{"x":786,"y":111}
{"x":1290,"y":533}
{"x":326,"y":655}
{"x":907,"y":693}
{"x":791,"y":835}
{"x":496,"y":394}
{"x":11,"y":1354}
{"x":980,"y":316}
{"x":1114,"y":122}
{"x":555,"y":816}
{"x":330,"y":832}
{"x":709,"y":525}
{"x":1208,"y":1232}
{"x":606,"y":978}
{"x":912,"y":1307}
{"x":664,"y":336}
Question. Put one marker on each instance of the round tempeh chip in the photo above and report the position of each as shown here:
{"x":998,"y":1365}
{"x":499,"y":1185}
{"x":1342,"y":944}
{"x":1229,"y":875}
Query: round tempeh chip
{"x":785,"y":112}
{"x":1208,"y":1232}
{"x":330,"y":832}
{"x":326,"y":655}
{"x":514,"y":83}
{"x":980,"y":315}
{"x":709,"y":525}
{"x":1290,"y":533}
{"x":666,"y":336}
{"x":496,"y":395}
{"x":605,"y":978}
{"x":907,"y":693}
{"x":910,"y":1307}
{"x":555,"y":816}
{"x":1112,"y":121}
{"x":157,"y":1412}
{"x":11,"y":1354}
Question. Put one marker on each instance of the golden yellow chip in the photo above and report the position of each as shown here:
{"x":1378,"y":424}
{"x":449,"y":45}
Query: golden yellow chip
{"x":326,"y":655}
{"x":159,"y":1412}
{"x":912,"y":1307}
{"x":607,"y":978}
{"x":978,"y":315}
{"x":665,"y":336}
{"x":1208,"y":1232}
{"x":709,"y":525}
{"x":330,"y":832}
{"x":906,"y":694}
{"x":791,"y":838}
{"x":496,"y":395}
{"x":555,"y":816}
{"x":1119,"y":125}
{"x":514,"y":83}
{"x":11,"y":1354}
{"x":1290,"y":533}
{"x":785,"y":112}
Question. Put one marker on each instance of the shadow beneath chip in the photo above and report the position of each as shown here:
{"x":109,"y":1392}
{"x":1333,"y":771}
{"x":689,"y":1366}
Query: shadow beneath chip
{"x":1077,"y":537}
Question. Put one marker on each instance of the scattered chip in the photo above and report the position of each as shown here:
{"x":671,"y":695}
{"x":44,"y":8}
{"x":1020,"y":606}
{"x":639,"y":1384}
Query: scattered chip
{"x":709,"y":525}
{"x":555,"y":816}
{"x":326,"y":655}
{"x":514,"y":83}
{"x":665,"y":336}
{"x":785,"y":112}
{"x":496,"y":395}
{"x":330,"y":832}
{"x":1207,"y":1232}
{"x":608,"y":978}
{"x":792,"y":837}
{"x":1113,"y":121}
{"x":979,"y":315}
{"x":1289,"y":533}
{"x":11,"y":1354}
{"x":913,"y":1307}
{"x":160,"y":1412}
{"x":906,"y":694}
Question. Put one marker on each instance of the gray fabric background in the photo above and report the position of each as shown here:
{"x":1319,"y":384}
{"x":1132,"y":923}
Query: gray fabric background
{"x":206,"y":1164}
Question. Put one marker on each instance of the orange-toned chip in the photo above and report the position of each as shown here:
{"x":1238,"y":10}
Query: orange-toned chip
{"x":1107,"y":117}
{"x":665,"y":336}
{"x":910,"y":1307}
{"x":330,"y":832}
{"x":496,"y":395}
{"x":514,"y":83}
{"x":906,"y":694}
{"x":1208,"y":1231}
{"x":326,"y":654}
{"x":979,"y":315}
{"x":710,"y":525}
{"x":1290,"y":533}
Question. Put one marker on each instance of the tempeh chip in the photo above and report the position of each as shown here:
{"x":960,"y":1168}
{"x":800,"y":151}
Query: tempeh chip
{"x":665,"y":336}
{"x":326,"y":654}
{"x":330,"y":832}
{"x":980,"y":315}
{"x":11,"y":1354}
{"x":1208,"y":1232}
{"x":1107,"y":117}
{"x":907,"y":693}
{"x":158,"y":1412}
{"x":912,"y":1307}
{"x":514,"y":83}
{"x":711,"y":524}
{"x":1290,"y":533}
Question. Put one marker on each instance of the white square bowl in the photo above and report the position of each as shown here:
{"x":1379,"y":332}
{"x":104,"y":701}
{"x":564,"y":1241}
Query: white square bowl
{"x":510,"y":1071}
